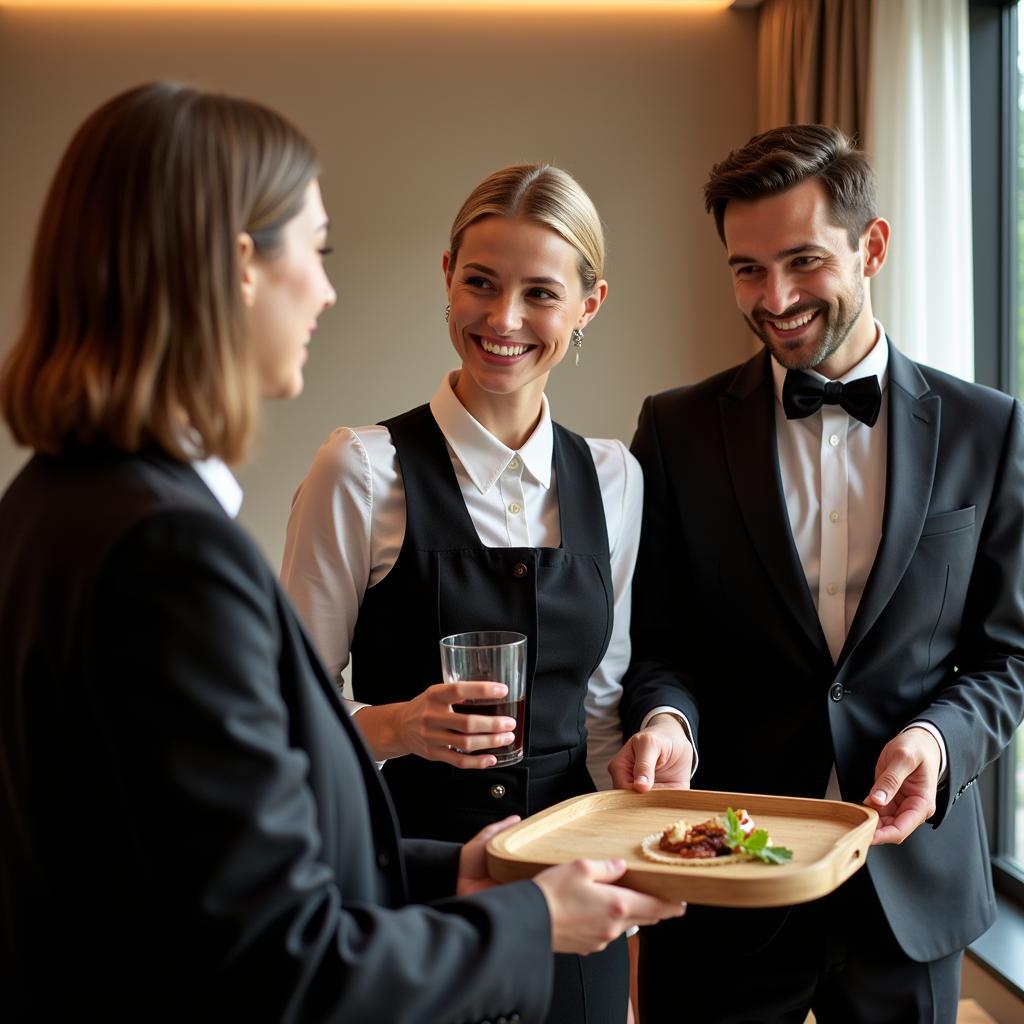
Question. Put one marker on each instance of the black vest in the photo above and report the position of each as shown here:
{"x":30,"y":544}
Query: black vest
{"x":445,"y":581}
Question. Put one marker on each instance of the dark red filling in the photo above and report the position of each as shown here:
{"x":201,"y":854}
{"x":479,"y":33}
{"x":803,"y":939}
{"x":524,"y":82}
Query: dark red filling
{"x":701,"y":842}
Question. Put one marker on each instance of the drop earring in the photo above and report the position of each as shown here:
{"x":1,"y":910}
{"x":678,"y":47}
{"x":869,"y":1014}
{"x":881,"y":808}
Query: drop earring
{"x":577,"y":342}
{"x":447,"y":312}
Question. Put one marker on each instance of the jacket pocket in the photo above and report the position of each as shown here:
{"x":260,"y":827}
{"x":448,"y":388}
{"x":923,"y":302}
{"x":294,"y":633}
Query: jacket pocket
{"x":949,"y":522}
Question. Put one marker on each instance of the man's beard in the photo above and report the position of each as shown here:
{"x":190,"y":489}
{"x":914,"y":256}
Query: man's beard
{"x":839,"y":320}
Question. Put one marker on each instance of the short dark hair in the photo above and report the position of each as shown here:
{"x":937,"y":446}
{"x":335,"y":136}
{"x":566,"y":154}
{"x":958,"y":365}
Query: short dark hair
{"x":781,"y":158}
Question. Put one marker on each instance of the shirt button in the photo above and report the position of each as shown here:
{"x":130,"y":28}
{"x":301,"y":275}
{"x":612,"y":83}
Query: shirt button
{"x":519,"y":570}
{"x":836,"y":693}
{"x":832,"y":589}
{"x":833,"y":440}
{"x":497,"y":791}
{"x":383,"y":859}
{"x":513,"y":464}
{"x":833,"y":516}
{"x":515,"y":508}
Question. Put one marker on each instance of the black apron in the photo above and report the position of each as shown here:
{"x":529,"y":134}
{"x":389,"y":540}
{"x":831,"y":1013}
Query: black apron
{"x":445,"y":581}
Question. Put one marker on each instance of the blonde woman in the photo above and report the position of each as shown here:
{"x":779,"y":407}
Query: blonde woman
{"x":192,"y":828}
{"x":476,"y":511}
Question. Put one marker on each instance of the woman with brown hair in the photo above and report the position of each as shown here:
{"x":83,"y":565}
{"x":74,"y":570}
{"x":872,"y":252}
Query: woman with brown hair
{"x":191,"y":826}
{"x":478,"y":512}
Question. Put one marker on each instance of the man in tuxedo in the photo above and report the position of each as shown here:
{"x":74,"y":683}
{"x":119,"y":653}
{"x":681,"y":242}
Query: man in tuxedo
{"x":829,"y":601}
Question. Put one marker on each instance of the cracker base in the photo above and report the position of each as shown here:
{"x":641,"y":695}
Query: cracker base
{"x":650,"y":848}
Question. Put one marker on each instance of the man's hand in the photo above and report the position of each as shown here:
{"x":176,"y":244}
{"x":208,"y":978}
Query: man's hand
{"x":906,"y":779}
{"x":473,"y":875}
{"x":658,"y":755}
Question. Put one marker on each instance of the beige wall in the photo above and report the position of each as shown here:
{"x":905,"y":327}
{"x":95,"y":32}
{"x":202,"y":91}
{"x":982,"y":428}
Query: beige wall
{"x":409,"y":112}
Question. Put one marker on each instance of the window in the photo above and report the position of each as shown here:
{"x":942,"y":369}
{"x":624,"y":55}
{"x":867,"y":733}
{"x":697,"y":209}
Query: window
{"x":997,"y":142}
{"x":1016,"y":21}
{"x":1013,"y":804}
{"x":1018,"y":814}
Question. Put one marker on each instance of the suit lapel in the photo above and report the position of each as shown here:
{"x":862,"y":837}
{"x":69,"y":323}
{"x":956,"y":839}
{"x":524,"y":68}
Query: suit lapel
{"x":382,"y":809}
{"x":748,"y":428}
{"x":914,"y":416}
{"x":195,"y":483}
{"x":370,"y":773}
{"x":381,"y":803}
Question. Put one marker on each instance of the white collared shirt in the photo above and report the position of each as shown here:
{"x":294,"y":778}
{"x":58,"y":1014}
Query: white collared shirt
{"x":833,"y":475}
{"x":222,"y":484}
{"x":833,"y":472}
{"x":347,"y":525}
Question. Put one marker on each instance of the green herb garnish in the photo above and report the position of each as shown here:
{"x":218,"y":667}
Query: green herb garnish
{"x":755,"y":845}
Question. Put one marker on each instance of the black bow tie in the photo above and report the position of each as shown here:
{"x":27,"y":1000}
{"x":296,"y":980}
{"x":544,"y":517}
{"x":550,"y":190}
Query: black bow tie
{"x":803,"y":395}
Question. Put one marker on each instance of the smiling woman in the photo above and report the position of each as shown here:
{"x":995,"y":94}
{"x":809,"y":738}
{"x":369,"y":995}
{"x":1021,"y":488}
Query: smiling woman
{"x":519,"y":290}
{"x":478,"y":512}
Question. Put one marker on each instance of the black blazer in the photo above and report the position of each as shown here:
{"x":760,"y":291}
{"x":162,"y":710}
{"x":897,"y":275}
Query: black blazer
{"x":191,"y":826}
{"x":724,"y":626}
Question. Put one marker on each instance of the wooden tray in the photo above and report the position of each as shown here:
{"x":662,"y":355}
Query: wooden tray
{"x":829,"y":840}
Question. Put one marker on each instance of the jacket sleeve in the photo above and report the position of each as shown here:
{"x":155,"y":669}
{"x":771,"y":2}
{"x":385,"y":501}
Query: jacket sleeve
{"x":432,"y":867}
{"x":661,"y":594}
{"x":982,"y":705}
{"x":185,"y":658}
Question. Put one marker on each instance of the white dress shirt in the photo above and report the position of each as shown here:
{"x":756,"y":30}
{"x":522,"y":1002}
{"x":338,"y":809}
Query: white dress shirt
{"x":833,"y":472}
{"x":347,"y":525}
{"x":221,"y":483}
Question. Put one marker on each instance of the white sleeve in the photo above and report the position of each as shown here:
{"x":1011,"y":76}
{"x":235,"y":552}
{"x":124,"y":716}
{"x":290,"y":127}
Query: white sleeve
{"x":345,"y":529}
{"x":920,"y":723}
{"x":622,"y":491}
{"x":683,"y":721}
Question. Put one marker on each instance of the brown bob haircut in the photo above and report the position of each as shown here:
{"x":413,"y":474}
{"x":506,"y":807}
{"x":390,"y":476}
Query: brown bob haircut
{"x":134,"y":330}
{"x":781,"y":158}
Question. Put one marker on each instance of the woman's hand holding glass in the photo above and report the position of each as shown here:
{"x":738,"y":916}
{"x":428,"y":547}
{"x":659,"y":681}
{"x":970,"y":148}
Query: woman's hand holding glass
{"x":431,"y":728}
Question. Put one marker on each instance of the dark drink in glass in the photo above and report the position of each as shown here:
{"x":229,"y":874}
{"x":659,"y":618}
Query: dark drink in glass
{"x":516,"y":709}
{"x":490,"y":656}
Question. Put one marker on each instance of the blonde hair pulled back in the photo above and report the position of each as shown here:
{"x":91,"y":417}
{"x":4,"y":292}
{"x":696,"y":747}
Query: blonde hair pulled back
{"x":545,"y":195}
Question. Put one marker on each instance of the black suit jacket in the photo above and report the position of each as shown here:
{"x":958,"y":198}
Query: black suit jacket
{"x":725,"y":628}
{"x":192,"y":827}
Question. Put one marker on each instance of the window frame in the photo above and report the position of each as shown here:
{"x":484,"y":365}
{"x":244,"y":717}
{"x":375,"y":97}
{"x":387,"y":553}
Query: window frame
{"x":994,"y":170}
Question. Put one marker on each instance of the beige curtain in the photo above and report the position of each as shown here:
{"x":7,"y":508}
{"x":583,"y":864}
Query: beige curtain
{"x":814,"y":64}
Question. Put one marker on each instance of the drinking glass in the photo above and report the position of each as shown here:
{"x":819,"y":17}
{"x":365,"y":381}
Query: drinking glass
{"x":490,"y":655}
